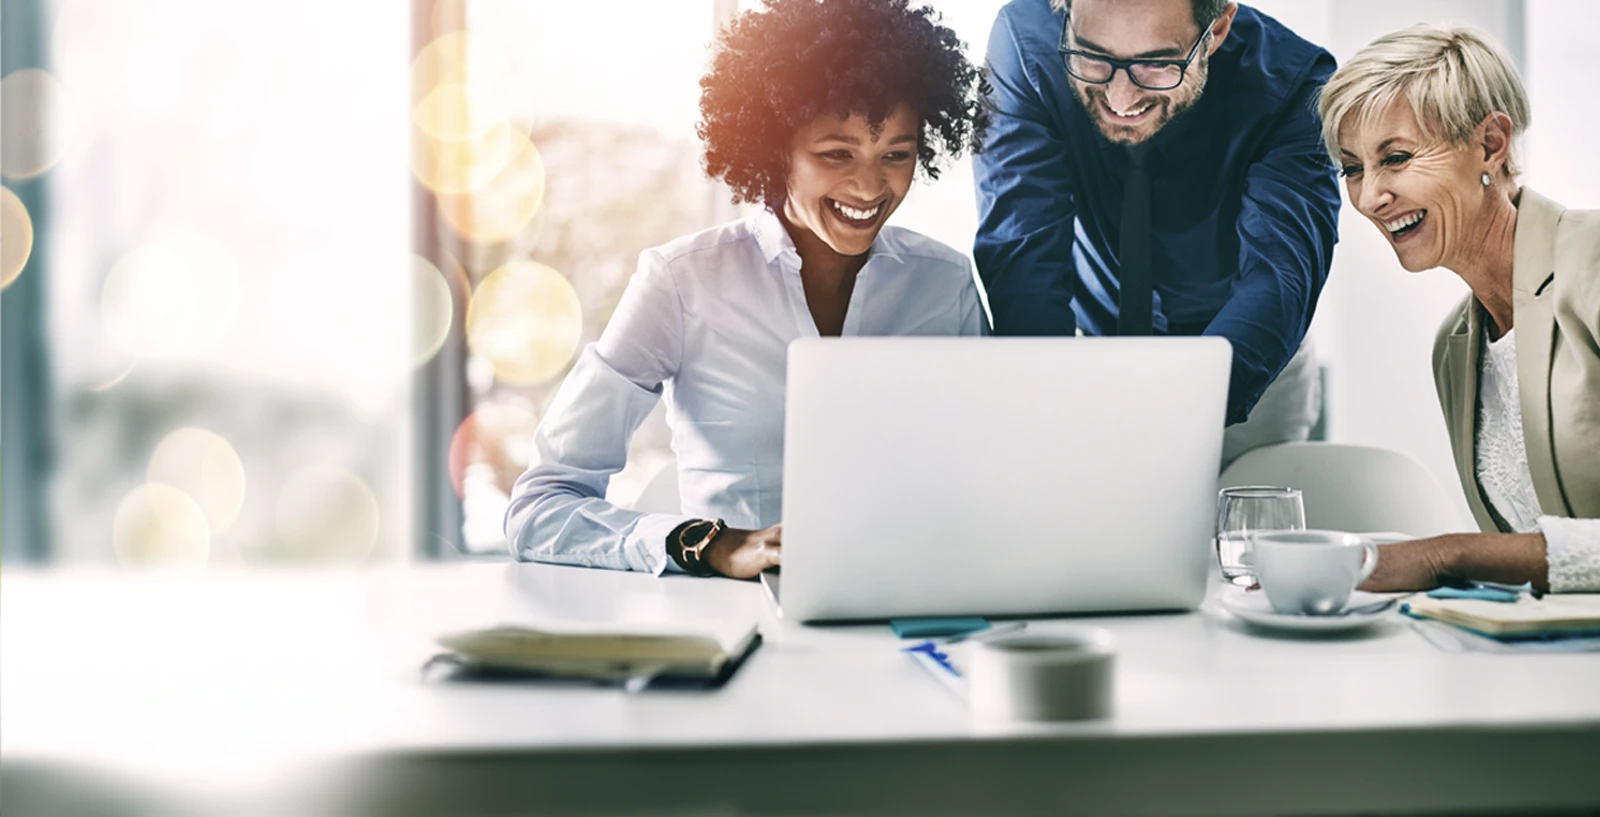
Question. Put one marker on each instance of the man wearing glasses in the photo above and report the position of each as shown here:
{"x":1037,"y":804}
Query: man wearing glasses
{"x":1154,"y":167}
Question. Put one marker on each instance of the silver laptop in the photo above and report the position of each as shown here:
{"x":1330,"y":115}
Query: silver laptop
{"x":999,"y":476}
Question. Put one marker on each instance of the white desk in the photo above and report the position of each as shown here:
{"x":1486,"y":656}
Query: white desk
{"x":296,"y":693}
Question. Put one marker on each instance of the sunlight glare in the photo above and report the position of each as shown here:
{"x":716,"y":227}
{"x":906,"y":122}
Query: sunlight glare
{"x":453,"y":167}
{"x":159,"y":525}
{"x":16,"y":236}
{"x":526,"y":319}
{"x":500,"y":434}
{"x":33,"y":106}
{"x":172,"y":298}
{"x":502,"y":207}
{"x":432,"y":310}
{"x":327,"y":515}
{"x":203,"y":465}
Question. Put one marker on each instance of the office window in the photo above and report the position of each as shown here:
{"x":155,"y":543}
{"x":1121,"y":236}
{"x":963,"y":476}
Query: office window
{"x":555,"y":142}
{"x":219,"y":274}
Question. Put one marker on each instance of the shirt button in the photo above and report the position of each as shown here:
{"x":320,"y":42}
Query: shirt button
{"x":587,"y":562}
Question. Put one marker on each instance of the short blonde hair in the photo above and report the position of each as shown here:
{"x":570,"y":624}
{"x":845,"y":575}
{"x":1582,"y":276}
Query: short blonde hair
{"x":1454,"y":78}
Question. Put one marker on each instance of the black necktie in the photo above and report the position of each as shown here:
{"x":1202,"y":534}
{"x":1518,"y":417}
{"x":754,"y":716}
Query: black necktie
{"x":1134,"y":302}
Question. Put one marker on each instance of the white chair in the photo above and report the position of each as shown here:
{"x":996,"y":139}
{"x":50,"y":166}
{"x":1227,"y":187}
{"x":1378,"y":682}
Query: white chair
{"x":1352,"y":487}
{"x":661,"y":494}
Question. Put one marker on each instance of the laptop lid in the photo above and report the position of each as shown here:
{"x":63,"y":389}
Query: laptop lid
{"x":995,"y":476}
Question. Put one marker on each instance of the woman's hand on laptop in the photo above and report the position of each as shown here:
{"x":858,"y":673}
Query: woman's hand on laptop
{"x":743,"y":554}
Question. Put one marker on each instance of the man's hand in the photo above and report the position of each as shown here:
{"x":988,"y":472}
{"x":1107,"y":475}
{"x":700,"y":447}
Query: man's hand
{"x":743,"y":554}
{"x":1424,"y":564}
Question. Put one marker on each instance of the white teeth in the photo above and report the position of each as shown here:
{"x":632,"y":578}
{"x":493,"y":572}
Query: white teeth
{"x":1404,"y":221}
{"x":853,"y":214}
{"x":1132,"y":113}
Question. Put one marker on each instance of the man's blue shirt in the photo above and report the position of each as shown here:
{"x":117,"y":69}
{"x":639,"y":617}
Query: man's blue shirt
{"x":1245,"y":201}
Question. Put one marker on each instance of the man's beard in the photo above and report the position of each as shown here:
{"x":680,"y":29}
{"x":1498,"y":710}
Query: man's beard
{"x":1170,"y":105}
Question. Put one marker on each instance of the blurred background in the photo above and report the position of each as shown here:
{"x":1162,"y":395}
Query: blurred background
{"x":292,"y":283}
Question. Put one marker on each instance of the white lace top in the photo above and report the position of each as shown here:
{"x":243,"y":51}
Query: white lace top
{"x":1572,"y":546}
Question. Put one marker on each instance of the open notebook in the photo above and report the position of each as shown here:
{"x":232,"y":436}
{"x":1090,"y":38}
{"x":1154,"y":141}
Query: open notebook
{"x":703,"y":650}
{"x":1554,"y":616}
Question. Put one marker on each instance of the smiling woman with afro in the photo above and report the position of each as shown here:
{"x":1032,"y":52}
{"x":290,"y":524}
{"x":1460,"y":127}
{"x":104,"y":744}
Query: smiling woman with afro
{"x":779,"y":69}
{"x":820,"y":112}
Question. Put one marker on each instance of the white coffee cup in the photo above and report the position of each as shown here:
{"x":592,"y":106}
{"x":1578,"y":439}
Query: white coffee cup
{"x":1311,"y":572}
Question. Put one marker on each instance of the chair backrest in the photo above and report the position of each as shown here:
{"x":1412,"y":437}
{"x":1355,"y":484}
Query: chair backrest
{"x":1352,"y":487}
{"x":661,"y":494}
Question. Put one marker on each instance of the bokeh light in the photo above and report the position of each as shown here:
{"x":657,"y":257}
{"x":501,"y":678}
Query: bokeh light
{"x":460,"y":59}
{"x":432,"y":310}
{"x":116,"y":380}
{"x":502,"y":207}
{"x":460,"y":166}
{"x":526,"y":319}
{"x":461,"y":88}
{"x":203,"y":465}
{"x":159,"y":525}
{"x":16,"y":236}
{"x":460,"y":110}
{"x":33,"y":106}
{"x":173,"y":298}
{"x":327,"y":514}
{"x":499,"y":434}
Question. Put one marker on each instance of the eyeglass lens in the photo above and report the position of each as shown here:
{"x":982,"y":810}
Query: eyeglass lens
{"x":1147,"y":75}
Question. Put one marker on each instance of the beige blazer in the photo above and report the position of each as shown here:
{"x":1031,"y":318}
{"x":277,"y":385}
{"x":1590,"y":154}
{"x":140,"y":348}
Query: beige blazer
{"x":1556,"y":314}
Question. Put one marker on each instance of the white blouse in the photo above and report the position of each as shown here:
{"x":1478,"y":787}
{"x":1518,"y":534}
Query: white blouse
{"x":705,"y":324}
{"x":1572,"y":546}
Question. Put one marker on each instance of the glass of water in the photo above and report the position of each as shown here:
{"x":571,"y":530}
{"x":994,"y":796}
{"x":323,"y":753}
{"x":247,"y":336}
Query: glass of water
{"x":1252,"y":509}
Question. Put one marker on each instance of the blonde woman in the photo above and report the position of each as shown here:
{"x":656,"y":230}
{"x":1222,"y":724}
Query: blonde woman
{"x":1422,"y":124}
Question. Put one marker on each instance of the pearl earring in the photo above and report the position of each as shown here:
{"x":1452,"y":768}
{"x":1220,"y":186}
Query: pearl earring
{"x":1486,"y":180}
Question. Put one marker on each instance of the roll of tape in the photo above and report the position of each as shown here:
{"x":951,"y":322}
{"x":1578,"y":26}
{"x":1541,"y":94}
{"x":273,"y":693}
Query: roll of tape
{"x":1040,"y":677}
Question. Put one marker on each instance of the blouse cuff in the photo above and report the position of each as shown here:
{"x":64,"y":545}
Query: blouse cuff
{"x":1572,"y":551}
{"x":646,"y":545}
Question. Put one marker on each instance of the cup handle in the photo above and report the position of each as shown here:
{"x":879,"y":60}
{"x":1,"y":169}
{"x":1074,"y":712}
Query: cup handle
{"x":1369,"y":561}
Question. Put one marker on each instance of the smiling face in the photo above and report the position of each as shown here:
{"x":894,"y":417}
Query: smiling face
{"x":845,"y":181}
{"x":1139,"y":29}
{"x":1423,"y":193}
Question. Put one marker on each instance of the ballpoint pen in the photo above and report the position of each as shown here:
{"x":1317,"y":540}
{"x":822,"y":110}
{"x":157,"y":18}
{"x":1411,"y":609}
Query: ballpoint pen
{"x":1505,"y":592}
{"x":1525,"y":587}
{"x":937,"y":663}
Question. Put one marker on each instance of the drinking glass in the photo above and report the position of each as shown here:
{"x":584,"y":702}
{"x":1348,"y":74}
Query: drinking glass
{"x":1252,"y":509}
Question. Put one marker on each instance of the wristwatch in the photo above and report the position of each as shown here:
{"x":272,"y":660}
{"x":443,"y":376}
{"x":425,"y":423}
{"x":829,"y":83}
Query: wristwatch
{"x":687,"y":544}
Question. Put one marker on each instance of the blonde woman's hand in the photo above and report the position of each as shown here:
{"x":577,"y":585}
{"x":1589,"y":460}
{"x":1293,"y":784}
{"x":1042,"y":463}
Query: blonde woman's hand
{"x":1423,"y":564}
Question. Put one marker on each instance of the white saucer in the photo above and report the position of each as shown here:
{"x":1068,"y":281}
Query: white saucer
{"x":1252,"y":606}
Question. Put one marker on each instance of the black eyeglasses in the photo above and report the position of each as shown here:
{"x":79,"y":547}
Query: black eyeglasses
{"x":1151,"y":75}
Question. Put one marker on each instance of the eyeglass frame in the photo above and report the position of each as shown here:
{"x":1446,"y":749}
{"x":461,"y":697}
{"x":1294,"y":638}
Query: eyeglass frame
{"x":1126,"y":66}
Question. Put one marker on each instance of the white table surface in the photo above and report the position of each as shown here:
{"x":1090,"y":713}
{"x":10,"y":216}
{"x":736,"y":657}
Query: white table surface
{"x":298,"y":692}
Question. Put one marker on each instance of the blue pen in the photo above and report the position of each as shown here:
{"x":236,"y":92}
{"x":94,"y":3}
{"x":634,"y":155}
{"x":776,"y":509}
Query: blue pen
{"x":938,"y":664}
{"x":1484,"y":591}
{"x":1525,"y":587}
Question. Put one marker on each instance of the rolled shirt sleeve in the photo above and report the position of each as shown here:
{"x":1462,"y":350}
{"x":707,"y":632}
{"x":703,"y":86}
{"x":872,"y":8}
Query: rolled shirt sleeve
{"x":558,"y":512}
